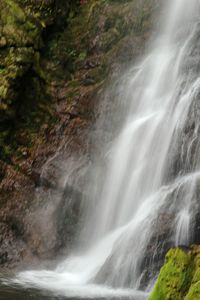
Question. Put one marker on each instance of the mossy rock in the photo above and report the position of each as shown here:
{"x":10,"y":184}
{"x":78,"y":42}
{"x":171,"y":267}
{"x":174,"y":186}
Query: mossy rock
{"x":194,"y":290}
{"x":20,"y":41}
{"x":179,"y":278}
{"x":53,"y":41}
{"x":20,"y":46}
{"x":16,"y":28}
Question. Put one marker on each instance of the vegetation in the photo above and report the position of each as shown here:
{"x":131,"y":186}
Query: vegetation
{"x":179,"y":278}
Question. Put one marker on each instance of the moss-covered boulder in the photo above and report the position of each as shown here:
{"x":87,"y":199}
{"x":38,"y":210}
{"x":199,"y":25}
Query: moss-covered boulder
{"x":179,"y":278}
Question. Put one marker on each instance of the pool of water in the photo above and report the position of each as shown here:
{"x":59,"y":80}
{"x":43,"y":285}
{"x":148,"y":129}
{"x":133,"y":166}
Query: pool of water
{"x":16,"y":292}
{"x":8,"y":292}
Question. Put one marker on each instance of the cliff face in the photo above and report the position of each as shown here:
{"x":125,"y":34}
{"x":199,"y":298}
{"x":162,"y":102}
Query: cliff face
{"x":55,"y":57}
{"x":179,"y":278}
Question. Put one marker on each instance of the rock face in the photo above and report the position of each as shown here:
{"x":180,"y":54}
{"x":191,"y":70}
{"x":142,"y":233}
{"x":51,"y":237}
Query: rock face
{"x":55,"y":56}
{"x":179,"y":278}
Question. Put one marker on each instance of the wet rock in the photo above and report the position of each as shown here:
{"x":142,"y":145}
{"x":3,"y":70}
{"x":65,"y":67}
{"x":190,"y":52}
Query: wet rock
{"x":196,"y":229}
{"x":52,"y":73}
{"x":157,"y":248}
{"x":184,"y":149}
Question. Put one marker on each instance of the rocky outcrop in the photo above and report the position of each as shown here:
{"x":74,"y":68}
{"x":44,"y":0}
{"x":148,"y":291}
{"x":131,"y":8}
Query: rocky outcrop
{"x":55,"y":57}
{"x":179,"y":278}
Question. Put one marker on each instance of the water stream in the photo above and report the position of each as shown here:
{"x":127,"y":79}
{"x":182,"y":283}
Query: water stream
{"x":144,"y":186}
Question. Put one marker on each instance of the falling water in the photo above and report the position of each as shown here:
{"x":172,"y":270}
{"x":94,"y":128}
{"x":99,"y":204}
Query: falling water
{"x":149,"y":196}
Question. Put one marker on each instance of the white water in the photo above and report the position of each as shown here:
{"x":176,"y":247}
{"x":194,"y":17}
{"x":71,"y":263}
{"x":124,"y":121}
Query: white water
{"x":137,"y":191}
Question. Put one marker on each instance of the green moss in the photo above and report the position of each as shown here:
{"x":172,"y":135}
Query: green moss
{"x":20,"y":43}
{"x":17,"y":28}
{"x":20,"y":39}
{"x":194,"y":292}
{"x":179,"y":278}
{"x":175,"y":276}
{"x":82,"y":56}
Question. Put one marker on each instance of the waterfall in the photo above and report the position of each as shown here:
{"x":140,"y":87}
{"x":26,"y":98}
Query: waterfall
{"x":148,"y":197}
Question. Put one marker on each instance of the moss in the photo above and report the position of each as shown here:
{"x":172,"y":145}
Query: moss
{"x":82,"y":55}
{"x":20,"y":36}
{"x":18,"y":30}
{"x":194,"y":290}
{"x":179,"y":278}
{"x":20,"y":65}
{"x":175,"y":276}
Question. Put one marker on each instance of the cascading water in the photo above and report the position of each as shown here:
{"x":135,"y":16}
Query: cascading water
{"x":146,"y":185}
